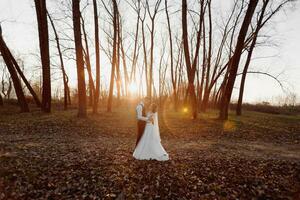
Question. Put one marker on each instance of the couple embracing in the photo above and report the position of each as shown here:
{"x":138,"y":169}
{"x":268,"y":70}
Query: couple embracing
{"x":148,"y":144}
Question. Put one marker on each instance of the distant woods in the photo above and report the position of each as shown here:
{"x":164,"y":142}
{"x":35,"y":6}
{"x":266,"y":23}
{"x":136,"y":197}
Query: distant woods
{"x":171,"y":51}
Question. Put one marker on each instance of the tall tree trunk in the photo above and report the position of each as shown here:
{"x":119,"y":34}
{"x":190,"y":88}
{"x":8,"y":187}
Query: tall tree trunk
{"x":118,"y":73}
{"x":208,"y":64}
{"x":151,"y":61}
{"x":236,"y":59}
{"x":126,"y":77}
{"x":134,"y":57}
{"x":114,"y":59}
{"x":191,"y":66}
{"x":97,"y":52}
{"x":88,"y":64}
{"x":65,"y":77}
{"x":249,"y":56}
{"x":190,"y":71}
{"x":203,"y":66}
{"x":173,"y":78}
{"x":79,"y":59}
{"x":41,"y":12}
{"x":14,"y":76}
{"x":145,"y":57}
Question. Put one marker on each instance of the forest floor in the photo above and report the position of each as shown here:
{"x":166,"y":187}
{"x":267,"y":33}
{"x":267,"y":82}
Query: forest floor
{"x":59,"y":156}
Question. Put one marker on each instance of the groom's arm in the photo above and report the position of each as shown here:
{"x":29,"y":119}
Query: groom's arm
{"x":139,"y":114}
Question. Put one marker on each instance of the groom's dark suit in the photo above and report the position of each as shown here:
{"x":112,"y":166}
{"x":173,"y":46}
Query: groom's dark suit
{"x":140,"y":126}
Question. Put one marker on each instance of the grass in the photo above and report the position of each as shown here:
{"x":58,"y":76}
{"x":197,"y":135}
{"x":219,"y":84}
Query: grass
{"x":60,"y":156}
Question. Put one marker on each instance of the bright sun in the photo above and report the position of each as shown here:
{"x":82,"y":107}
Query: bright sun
{"x":133,"y":88}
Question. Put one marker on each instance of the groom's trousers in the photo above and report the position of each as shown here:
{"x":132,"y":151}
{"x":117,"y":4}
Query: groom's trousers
{"x":140,"y":130}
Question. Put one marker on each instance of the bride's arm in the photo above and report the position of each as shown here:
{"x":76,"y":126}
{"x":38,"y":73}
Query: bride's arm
{"x":152,"y":116}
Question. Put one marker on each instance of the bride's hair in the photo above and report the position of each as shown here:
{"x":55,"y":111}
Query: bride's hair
{"x":153,"y":108}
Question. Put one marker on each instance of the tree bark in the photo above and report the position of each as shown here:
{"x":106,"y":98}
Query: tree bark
{"x":249,"y":56}
{"x":118,"y":73}
{"x":173,"y":77}
{"x":134,"y":57}
{"x":65,"y":77}
{"x":88,"y":64}
{"x":34,"y":95}
{"x":113,"y":63}
{"x":97,"y":51}
{"x":14,"y":76}
{"x":79,"y":59}
{"x":191,"y":66}
{"x":235,"y":60}
{"x":126,"y":76}
{"x":41,"y":11}
{"x":152,"y":31}
{"x":208,"y":63}
{"x":145,"y":56}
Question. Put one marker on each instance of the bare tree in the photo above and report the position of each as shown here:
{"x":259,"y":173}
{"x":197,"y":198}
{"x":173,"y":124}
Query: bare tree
{"x":234,"y":63}
{"x":88,"y":63}
{"x":64,"y":74}
{"x":114,"y":56}
{"x":118,"y":72}
{"x":152,"y":31}
{"x":79,"y":59}
{"x":126,"y":75}
{"x":6,"y":91}
{"x":262,"y":20}
{"x":136,"y":5}
{"x":191,"y":65}
{"x":97,"y":51}
{"x":41,"y":12}
{"x":162,"y":75}
{"x":13,"y":73}
{"x":173,"y":71}
{"x":17,"y":67}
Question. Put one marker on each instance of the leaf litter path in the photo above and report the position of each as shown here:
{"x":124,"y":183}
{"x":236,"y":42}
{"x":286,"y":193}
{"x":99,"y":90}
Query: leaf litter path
{"x":59,"y":156}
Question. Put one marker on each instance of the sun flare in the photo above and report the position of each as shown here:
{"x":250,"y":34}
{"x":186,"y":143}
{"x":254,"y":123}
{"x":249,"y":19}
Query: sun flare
{"x":133,"y":88}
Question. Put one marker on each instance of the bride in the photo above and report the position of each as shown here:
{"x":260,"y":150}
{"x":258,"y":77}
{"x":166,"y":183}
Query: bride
{"x":149,"y":146}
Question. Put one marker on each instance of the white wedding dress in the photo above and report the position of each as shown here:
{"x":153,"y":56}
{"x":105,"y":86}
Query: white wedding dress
{"x":149,"y":146}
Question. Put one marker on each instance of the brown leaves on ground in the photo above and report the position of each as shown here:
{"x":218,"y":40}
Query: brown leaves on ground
{"x":58,"y":156}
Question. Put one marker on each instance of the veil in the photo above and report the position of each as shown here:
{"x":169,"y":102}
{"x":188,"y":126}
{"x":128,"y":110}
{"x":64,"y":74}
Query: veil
{"x":156,"y":127}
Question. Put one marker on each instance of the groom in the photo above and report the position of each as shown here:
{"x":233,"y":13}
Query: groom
{"x":142,"y":119}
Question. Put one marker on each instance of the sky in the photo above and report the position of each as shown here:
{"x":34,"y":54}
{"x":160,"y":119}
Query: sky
{"x":19,"y":30}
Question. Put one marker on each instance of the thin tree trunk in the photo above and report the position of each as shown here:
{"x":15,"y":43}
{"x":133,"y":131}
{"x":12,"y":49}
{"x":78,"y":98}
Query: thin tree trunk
{"x":79,"y":59}
{"x":113,"y":63}
{"x":88,"y":64}
{"x":145,"y":58}
{"x":118,"y":74}
{"x":151,"y":61}
{"x":134,"y":59}
{"x":203,"y":65}
{"x":208,"y":64}
{"x":97,"y":51}
{"x":124,"y":64}
{"x":66,"y":87}
{"x":173,"y":78}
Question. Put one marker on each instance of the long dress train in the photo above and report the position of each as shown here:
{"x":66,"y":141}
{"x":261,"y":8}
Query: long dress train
{"x":149,"y":146}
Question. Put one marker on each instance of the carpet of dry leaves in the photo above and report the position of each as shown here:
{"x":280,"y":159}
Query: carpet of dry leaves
{"x":59,"y":156}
